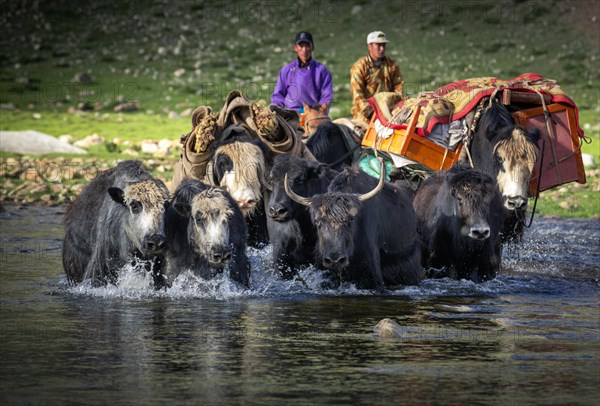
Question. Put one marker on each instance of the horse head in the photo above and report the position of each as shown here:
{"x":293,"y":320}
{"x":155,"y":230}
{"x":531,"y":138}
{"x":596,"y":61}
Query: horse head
{"x":314,"y":116}
{"x":515,"y":154}
{"x":506,"y":152}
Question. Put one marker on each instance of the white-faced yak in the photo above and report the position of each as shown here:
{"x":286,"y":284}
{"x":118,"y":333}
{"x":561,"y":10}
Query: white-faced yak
{"x":460,"y":216}
{"x":116,"y":220}
{"x":367,"y":230}
{"x":206,"y":233}
{"x":238,"y":166}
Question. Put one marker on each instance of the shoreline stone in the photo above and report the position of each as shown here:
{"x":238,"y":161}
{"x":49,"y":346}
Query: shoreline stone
{"x":35,"y":142}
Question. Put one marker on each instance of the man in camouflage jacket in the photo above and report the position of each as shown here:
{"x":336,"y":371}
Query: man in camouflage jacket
{"x":372,"y":74}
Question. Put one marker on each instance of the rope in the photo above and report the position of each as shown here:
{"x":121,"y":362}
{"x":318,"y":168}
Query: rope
{"x":446,"y":148}
{"x":469,"y":137}
{"x":469,"y":156}
{"x":537,"y":192}
{"x":551,"y":134}
{"x":552,"y":138}
{"x":491,"y":98}
{"x":315,"y":118}
{"x":343,"y":157}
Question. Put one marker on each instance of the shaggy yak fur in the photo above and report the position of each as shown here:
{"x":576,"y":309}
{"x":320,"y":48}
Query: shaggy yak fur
{"x":372,"y":243}
{"x":507,"y":153}
{"x":291,"y":231}
{"x":460,"y":216}
{"x":117,"y":219}
{"x":239,"y":167}
{"x":206,"y":233}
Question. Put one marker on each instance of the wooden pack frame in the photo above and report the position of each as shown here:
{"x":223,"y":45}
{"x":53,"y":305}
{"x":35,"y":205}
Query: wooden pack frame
{"x":407,"y":143}
{"x":562,"y":161}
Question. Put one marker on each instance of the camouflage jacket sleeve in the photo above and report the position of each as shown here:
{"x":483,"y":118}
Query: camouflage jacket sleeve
{"x":397,"y":80}
{"x":358,"y":88}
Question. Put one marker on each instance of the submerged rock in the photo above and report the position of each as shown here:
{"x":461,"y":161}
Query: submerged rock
{"x":388,"y":328}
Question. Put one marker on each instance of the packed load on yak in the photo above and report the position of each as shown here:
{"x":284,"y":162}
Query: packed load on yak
{"x":275,"y":127}
{"x":437,"y":129}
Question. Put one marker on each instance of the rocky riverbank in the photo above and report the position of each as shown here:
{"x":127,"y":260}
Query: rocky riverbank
{"x":57,"y":181}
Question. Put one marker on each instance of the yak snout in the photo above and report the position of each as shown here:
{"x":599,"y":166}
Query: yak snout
{"x":515,"y":202}
{"x":246,"y":203}
{"x":220,"y":255}
{"x":335,"y":260}
{"x":154,"y":243}
{"x":278,"y":212}
{"x":479,"y":232}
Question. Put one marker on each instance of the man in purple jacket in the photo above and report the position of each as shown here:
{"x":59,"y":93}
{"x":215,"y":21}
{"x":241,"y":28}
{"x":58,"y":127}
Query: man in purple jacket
{"x":304,"y":80}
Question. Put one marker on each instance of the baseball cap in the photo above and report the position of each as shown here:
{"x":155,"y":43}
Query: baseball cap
{"x":377,"y":37}
{"x":304,"y":36}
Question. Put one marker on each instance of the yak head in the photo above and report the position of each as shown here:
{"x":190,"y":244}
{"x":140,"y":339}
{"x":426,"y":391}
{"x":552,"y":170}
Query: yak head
{"x":306,"y":177}
{"x":209,"y":213}
{"x":239,"y":168}
{"x":334,"y":215}
{"x":145,"y":203}
{"x":472,"y":194}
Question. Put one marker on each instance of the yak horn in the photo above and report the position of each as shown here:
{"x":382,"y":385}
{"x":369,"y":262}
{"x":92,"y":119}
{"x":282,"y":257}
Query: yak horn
{"x":304,"y":201}
{"x":372,"y":193}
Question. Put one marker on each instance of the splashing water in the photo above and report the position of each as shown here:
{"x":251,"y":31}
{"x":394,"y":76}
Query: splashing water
{"x":553,"y":249}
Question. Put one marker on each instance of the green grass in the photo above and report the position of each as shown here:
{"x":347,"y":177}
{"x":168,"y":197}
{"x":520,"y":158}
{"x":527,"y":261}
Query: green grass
{"x":134,"y":127}
{"x":189,"y":53}
{"x":583,"y":204}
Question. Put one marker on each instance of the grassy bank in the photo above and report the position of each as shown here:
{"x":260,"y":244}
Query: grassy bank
{"x":169,"y":58}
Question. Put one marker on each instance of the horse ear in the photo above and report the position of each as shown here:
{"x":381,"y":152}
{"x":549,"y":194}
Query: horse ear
{"x":536,"y":135}
{"x":117,"y":194}
{"x":184,"y":209}
{"x":321,"y":169}
{"x":305,"y":106}
{"x":218,"y":169}
{"x":324,"y":107}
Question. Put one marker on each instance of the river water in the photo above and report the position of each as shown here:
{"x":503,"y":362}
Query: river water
{"x":529,"y":336}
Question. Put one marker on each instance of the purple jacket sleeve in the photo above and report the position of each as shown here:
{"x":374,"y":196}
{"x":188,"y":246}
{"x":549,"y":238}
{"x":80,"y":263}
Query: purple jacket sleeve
{"x":280,"y":91}
{"x":326,"y":87}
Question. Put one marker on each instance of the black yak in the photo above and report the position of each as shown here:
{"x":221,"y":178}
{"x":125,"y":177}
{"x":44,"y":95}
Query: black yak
{"x":206,"y":232}
{"x":367,"y":230}
{"x":117,"y":219}
{"x":291,"y":231}
{"x":460,"y":215}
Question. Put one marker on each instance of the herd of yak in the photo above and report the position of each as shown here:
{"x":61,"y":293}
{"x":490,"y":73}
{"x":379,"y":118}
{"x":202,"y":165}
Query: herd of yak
{"x":370,"y":232}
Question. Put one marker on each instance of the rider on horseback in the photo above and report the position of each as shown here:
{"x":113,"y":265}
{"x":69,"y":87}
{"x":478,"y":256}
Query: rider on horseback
{"x":372,"y":74}
{"x":304,"y":80}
